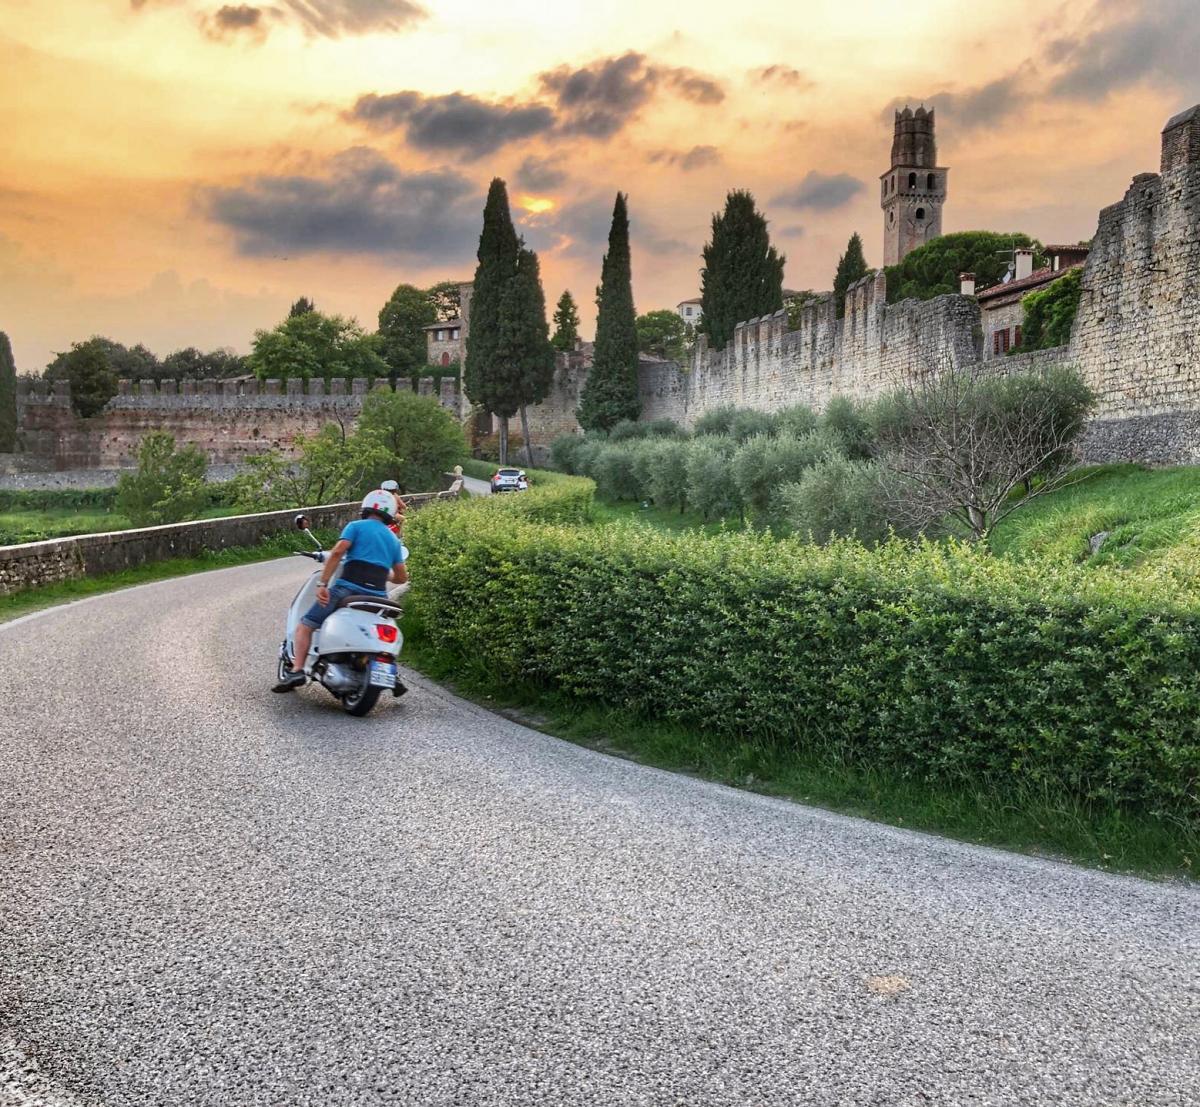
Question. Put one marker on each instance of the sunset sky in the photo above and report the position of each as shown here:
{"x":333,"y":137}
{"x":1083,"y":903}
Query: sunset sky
{"x":176,"y":172}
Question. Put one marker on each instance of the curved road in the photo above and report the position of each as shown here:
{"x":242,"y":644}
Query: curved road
{"x":210,"y":895}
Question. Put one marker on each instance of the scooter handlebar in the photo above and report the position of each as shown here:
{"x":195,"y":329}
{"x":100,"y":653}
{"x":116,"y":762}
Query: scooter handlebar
{"x":316,"y":555}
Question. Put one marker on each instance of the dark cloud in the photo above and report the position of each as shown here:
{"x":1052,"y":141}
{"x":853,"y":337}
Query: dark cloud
{"x":360,"y":204}
{"x":783,"y":75}
{"x":233,"y":19}
{"x":598,"y":99}
{"x":326,"y":18}
{"x":1133,"y":41}
{"x":471,"y":126}
{"x":540,"y":174}
{"x":821,"y":191}
{"x":580,"y":230}
{"x":696,"y":158}
{"x":795,"y":230}
{"x":983,"y":106}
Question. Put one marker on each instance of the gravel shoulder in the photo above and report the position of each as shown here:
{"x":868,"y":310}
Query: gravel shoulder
{"x":210,"y":895}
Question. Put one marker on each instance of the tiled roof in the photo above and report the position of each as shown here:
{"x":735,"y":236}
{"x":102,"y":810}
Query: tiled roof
{"x":1025,"y":284}
{"x":443,"y":324}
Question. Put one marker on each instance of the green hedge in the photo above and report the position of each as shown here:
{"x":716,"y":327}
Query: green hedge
{"x":942,"y":661}
{"x":220,"y":494}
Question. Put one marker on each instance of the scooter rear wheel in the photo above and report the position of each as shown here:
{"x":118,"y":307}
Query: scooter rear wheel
{"x":361,"y":700}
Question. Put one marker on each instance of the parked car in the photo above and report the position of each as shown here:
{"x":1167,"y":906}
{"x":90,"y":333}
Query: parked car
{"x":509,"y":480}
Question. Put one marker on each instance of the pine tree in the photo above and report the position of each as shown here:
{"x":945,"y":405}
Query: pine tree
{"x":611,"y":391}
{"x":8,"y":397}
{"x":742,"y":276}
{"x":483,"y":375}
{"x":301,"y":307}
{"x":524,"y":345}
{"x":566,"y":323}
{"x":852,"y":266}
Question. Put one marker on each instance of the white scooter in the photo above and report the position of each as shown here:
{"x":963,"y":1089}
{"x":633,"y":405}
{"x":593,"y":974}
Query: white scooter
{"x":354,"y":652}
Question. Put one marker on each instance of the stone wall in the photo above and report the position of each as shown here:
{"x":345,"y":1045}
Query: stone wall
{"x":34,"y":564}
{"x":228,"y":420}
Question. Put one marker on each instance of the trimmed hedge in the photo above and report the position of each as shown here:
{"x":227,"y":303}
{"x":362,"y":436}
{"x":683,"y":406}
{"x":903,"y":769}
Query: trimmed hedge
{"x":940,"y":660}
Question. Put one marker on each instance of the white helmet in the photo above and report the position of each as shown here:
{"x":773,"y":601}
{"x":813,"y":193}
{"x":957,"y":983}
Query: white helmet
{"x":390,"y":486}
{"x":382,"y":502}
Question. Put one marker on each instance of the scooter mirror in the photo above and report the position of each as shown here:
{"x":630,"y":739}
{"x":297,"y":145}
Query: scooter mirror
{"x":301,"y":522}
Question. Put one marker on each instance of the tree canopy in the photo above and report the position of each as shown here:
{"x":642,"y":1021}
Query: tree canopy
{"x":446,"y":300}
{"x":315,"y":345}
{"x":610,"y":393}
{"x":402,"y":321}
{"x":851,"y":267}
{"x":742,"y":276}
{"x":8,"y":396}
{"x":524,"y":342}
{"x":933,"y":269}
{"x":133,"y":363}
{"x":662,"y":333}
{"x":1050,"y":313}
{"x":566,"y":323}
{"x":301,"y":307}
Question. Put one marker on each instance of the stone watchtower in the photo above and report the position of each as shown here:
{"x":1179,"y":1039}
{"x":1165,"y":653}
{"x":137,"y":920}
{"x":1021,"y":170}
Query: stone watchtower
{"x":913,"y":190}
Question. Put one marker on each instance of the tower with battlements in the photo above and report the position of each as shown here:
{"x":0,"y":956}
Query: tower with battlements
{"x":913,"y":190}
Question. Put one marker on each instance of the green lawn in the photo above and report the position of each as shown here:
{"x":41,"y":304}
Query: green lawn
{"x":34,"y":525}
{"x":1149,"y":514}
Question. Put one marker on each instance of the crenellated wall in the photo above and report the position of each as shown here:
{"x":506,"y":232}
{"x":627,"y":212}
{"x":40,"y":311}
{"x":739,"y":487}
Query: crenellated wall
{"x":229,"y":420}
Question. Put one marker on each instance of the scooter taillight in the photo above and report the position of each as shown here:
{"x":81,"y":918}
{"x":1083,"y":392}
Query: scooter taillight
{"x":386,"y":632}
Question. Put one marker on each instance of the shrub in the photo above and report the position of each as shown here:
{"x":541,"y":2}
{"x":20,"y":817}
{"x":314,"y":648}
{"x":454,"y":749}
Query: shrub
{"x":716,"y":421}
{"x":614,"y":472}
{"x":746,"y":423}
{"x":666,"y":478}
{"x":796,"y":420}
{"x":843,"y":418}
{"x":168,"y":486}
{"x":564,"y":452}
{"x":836,"y":497}
{"x":711,"y":487}
{"x":939,"y":660}
{"x":762,"y":464}
{"x":627,"y":429}
{"x":1049,"y":314}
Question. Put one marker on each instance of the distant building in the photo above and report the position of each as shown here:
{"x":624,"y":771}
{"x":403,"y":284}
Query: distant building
{"x":690,"y":311}
{"x":913,"y":190}
{"x":1000,"y":306}
{"x":446,"y":342}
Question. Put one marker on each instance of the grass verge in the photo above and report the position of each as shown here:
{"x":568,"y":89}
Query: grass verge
{"x":1027,"y":821}
{"x":34,"y":599}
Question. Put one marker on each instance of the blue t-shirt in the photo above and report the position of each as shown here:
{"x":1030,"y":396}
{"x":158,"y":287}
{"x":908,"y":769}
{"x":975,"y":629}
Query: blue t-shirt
{"x":372,"y":542}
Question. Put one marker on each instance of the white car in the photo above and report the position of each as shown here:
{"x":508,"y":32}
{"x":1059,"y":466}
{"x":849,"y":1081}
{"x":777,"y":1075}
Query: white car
{"x":509,"y":480}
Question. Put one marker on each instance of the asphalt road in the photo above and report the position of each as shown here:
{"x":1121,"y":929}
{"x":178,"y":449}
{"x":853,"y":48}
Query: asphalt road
{"x":212,"y":895}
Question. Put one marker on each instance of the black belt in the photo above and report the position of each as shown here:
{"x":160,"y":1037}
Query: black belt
{"x":366,"y":574}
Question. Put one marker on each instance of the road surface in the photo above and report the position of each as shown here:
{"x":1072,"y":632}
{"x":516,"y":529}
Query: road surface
{"x":213,"y":896}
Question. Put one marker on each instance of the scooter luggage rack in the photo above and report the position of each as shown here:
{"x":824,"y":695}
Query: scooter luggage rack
{"x":377,"y":607}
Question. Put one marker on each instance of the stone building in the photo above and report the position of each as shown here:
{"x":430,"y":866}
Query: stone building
{"x":913,"y":190}
{"x":446,"y":342}
{"x":1000,"y":307}
{"x":690,"y":311}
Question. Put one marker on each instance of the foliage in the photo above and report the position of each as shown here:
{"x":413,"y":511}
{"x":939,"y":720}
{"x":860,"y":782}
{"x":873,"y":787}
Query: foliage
{"x":420,"y":439}
{"x":650,"y":428}
{"x":566,"y":323}
{"x":615,"y":472}
{"x":933,"y":269}
{"x":402,"y":321}
{"x":666,"y":478}
{"x":964,"y":446}
{"x":523,"y":342}
{"x":764,"y":463}
{"x":795,"y":305}
{"x":851,"y":267}
{"x":716,"y":420}
{"x":301,"y":306}
{"x":836,"y":497}
{"x":798,"y":419}
{"x":485,"y":376}
{"x":8,"y":397}
{"x":610,"y":393}
{"x":124,"y":362}
{"x":851,"y":425}
{"x":446,"y":298}
{"x":168,"y":486}
{"x":712,"y":488}
{"x":487,"y":447}
{"x":191,"y":362}
{"x":88,"y":370}
{"x":742,"y":276}
{"x":564,"y":452}
{"x":315,"y":345}
{"x":939,"y":661}
{"x":1049,"y":314}
{"x":664,"y":334}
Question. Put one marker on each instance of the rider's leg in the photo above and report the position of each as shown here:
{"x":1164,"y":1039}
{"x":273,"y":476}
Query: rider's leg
{"x":301,"y":643}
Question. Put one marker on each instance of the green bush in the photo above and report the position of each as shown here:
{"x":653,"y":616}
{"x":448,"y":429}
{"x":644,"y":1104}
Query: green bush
{"x":420,"y":438}
{"x":168,"y":486}
{"x":712,"y":489}
{"x":564,"y":452}
{"x":797,"y":420}
{"x":763,"y":464}
{"x":837,"y":497}
{"x":937,"y":660}
{"x":850,"y":423}
{"x":1049,"y":314}
{"x":666,"y":477}
{"x":74,"y":499}
{"x":614,"y":471}
{"x":717,"y":421}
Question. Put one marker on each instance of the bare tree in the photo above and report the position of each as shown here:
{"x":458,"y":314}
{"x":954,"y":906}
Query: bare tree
{"x":964,"y":448}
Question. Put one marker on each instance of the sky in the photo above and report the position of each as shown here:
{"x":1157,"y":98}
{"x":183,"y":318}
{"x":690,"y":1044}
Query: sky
{"x":177,"y":172}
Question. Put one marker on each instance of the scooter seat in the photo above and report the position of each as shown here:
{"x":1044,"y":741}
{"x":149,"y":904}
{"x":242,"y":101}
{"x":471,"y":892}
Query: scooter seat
{"x":382,"y":604}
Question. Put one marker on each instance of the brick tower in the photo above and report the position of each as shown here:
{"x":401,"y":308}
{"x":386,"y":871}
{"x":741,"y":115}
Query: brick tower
{"x":913,"y":190}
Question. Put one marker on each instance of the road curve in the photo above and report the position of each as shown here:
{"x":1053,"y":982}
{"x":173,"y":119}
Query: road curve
{"x":211,"y":895}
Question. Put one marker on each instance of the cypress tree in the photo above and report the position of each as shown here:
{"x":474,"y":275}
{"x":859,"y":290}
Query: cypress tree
{"x":611,"y":391}
{"x":301,"y":307}
{"x":566,"y":323}
{"x":524,"y":343}
{"x":483,"y":374}
{"x":742,"y":276}
{"x":8,"y":397}
{"x":852,"y":266}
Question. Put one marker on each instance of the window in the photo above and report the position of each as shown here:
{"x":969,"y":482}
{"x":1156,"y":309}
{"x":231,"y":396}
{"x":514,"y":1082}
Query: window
{"x":920,"y":213}
{"x":932,"y":182}
{"x":687,"y":310}
{"x":1001,"y":341}
{"x":454,"y":333}
{"x":893,"y":182}
{"x":439,"y":336}
{"x":912,"y":180}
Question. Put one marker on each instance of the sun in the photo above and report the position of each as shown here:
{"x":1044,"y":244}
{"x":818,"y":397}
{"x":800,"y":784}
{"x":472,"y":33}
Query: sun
{"x":537,"y":205}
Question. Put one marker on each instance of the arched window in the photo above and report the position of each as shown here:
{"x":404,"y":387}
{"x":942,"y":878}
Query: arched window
{"x":912,"y":180}
{"x":892,"y":216}
{"x":932,"y":182}
{"x":893,"y":182}
{"x":920,"y":213}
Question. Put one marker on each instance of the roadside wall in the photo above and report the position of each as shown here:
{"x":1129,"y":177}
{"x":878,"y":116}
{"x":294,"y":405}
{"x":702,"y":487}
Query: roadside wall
{"x":34,"y":564}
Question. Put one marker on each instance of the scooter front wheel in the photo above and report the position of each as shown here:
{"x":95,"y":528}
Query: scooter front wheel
{"x":361,"y":700}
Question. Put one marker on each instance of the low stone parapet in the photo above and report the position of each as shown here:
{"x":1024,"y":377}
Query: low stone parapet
{"x":34,"y":564}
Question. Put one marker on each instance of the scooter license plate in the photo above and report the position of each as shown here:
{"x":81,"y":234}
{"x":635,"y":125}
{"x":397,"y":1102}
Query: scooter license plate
{"x":383,"y":675}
